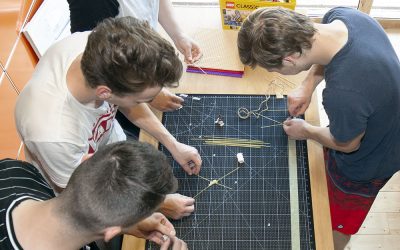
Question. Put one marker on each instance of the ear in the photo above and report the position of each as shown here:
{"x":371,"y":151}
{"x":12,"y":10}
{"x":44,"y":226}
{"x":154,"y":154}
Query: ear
{"x":87,"y":156}
{"x":103,"y":92}
{"x":291,"y":59}
{"x":111,"y":232}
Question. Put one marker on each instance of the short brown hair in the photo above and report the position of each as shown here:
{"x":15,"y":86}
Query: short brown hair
{"x":121,"y":184}
{"x":270,"y":34}
{"x":128,"y":56}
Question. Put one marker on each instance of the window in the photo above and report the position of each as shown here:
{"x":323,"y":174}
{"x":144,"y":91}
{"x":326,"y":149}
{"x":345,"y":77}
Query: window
{"x":317,"y":8}
{"x":386,"y":9}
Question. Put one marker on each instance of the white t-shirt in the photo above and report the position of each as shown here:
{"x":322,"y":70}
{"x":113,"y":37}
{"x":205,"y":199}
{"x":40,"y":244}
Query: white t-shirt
{"x":141,"y":9}
{"x":57,"y":129}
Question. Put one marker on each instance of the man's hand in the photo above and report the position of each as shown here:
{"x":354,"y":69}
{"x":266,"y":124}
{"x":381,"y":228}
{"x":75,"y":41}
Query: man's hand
{"x":189,"y":48}
{"x":166,"y":101}
{"x":188,"y":157}
{"x":176,"y":206}
{"x":298,"y":101}
{"x":177,"y":244}
{"x":296,"y":129}
{"x":158,"y":229}
{"x":153,"y":228}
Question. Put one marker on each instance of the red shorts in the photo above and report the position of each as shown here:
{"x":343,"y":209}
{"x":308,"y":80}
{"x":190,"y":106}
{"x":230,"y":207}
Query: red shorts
{"x":349,"y":201}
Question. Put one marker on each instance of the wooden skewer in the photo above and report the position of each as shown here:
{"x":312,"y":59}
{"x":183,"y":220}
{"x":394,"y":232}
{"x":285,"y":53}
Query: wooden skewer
{"x":288,"y":82}
{"x":236,"y":169}
{"x":216,"y":183}
{"x":271,"y":119}
{"x":271,"y":126}
{"x":231,"y":139}
{"x":236,"y":142}
{"x":235,"y":139}
{"x":224,"y":141}
{"x":201,"y":192}
{"x":236,"y":145}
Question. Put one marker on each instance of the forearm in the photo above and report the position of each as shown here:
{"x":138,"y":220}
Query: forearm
{"x":167,"y":20}
{"x":313,"y":78}
{"x":144,"y":118}
{"x":323,"y":136}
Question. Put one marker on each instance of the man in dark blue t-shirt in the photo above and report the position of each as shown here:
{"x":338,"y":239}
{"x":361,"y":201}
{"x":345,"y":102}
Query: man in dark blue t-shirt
{"x":352,"y":52}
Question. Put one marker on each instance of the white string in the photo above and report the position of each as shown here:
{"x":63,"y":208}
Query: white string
{"x":215,"y":182}
{"x":19,"y":149}
{"x":244,"y":113}
{"x":194,"y":65}
{"x":212,"y":183}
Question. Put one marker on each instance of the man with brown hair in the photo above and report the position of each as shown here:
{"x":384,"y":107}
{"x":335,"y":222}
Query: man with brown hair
{"x":84,"y":16}
{"x":67,"y":109}
{"x":353,"y":54}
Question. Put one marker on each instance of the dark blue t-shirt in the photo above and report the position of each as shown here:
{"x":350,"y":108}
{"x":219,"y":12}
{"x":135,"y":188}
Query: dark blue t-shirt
{"x":363,"y":94}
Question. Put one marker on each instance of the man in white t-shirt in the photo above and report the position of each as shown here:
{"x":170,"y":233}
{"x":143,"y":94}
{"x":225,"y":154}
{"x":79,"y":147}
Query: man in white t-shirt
{"x":67,"y":109}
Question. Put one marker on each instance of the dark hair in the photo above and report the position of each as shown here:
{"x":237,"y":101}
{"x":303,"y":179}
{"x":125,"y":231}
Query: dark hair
{"x":128,"y":56}
{"x":270,"y":34}
{"x":119,"y":185}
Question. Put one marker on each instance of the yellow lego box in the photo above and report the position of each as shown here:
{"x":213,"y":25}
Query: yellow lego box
{"x":233,"y":12}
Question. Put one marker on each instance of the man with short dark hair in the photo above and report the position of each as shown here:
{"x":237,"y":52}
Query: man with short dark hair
{"x":113,"y":192}
{"x":352,"y":52}
{"x":67,"y":110}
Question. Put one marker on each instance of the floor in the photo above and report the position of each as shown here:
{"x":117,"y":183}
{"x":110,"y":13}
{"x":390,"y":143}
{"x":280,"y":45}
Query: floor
{"x":19,"y":68}
{"x":381,"y":229}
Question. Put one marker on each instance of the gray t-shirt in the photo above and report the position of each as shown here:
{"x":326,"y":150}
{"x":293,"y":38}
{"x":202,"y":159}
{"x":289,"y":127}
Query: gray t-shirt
{"x":363,"y":94}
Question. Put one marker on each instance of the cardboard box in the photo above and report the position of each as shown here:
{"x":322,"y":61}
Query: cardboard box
{"x":233,"y":12}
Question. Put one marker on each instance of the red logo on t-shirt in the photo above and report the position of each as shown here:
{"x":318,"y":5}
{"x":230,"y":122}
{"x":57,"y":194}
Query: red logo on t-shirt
{"x":230,"y":5}
{"x":103,"y":124}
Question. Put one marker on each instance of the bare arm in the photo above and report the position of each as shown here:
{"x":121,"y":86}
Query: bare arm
{"x":143,"y":117}
{"x":324,"y":137}
{"x":167,"y":19}
{"x":183,"y":43}
{"x":314,"y":77}
{"x":185,"y":155}
{"x":300,"y":98}
{"x":301,"y":130}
